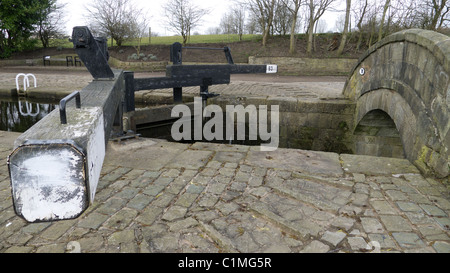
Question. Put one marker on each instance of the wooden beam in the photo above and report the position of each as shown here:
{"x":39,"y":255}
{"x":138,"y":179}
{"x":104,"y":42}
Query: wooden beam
{"x":55,"y":167}
{"x":195,"y":75}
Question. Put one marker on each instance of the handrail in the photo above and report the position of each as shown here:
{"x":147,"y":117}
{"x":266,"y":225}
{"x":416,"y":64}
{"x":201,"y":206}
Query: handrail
{"x":63,"y":102}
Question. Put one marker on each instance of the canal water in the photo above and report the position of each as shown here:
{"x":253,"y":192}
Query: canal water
{"x":17,"y":115}
{"x":377,"y":137}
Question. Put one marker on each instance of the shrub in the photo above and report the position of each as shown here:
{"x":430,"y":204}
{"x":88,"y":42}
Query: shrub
{"x":133,"y":56}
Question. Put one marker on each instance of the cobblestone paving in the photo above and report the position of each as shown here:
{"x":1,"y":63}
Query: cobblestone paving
{"x":60,"y":81}
{"x":248,"y":88}
{"x":64,"y":80}
{"x":156,"y":196}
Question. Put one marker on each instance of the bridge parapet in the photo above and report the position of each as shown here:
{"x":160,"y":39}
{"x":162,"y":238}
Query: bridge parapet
{"x":407,"y":75}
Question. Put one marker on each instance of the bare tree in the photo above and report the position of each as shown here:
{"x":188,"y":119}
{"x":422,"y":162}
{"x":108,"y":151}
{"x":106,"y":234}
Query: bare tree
{"x":263,"y":11}
{"x":138,"y":29}
{"x":370,"y":26}
{"x":310,"y":31}
{"x":294,"y":7}
{"x":345,"y":32}
{"x":226,"y":23}
{"x":407,"y":14}
{"x":112,"y":17}
{"x":360,"y":13}
{"x":282,"y":19}
{"x":252,"y":25}
{"x":383,"y":18}
{"x":233,"y":22}
{"x":213,"y":31}
{"x":433,"y":13}
{"x":182,"y":16}
{"x":442,"y":12}
{"x":51,"y":22}
{"x":377,"y":19}
{"x":316,"y":9}
{"x":239,"y":19}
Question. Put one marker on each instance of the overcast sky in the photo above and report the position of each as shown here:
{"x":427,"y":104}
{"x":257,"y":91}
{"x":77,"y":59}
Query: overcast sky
{"x":75,"y":11}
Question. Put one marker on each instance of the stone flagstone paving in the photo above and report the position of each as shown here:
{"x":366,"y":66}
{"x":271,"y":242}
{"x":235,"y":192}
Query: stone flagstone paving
{"x":156,"y":196}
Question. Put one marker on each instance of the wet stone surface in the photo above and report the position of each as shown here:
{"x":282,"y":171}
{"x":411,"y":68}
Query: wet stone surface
{"x":157,"y":196}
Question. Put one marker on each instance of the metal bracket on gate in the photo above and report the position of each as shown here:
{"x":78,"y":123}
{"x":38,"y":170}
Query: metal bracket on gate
{"x":93,"y":52}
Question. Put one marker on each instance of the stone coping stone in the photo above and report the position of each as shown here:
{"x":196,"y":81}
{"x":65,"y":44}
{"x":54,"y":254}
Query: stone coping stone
{"x":371,"y":165}
{"x":320,"y":163}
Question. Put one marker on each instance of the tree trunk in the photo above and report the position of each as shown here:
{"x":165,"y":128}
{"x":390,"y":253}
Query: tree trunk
{"x":265,"y":36}
{"x":345,"y":32}
{"x":438,"y":8}
{"x":293,"y":25}
{"x":292,"y":40}
{"x":311,"y":27}
{"x":359,"y":25}
{"x":372,"y":31}
{"x":386,"y":6}
{"x":269,"y":22}
{"x":358,"y":44}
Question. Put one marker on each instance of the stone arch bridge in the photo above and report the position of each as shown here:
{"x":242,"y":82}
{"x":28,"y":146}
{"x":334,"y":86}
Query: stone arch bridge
{"x":407,"y":75}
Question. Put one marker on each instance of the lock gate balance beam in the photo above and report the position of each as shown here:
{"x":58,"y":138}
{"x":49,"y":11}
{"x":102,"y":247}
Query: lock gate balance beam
{"x":179,"y":76}
{"x":55,"y":166}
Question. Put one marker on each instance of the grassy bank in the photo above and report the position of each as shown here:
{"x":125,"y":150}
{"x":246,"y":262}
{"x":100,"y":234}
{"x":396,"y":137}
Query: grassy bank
{"x":168,"y":40}
{"x":158,"y":49}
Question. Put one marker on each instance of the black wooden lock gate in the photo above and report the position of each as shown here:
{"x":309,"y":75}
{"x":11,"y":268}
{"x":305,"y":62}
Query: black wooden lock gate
{"x":179,"y":76}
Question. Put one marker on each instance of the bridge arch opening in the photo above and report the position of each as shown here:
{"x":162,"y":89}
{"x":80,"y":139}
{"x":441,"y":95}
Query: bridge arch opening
{"x":407,"y":75}
{"x":377,"y":135}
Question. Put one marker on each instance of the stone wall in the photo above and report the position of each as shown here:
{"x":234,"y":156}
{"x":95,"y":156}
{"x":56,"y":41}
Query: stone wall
{"x":307,"y":124}
{"x":138,"y":66}
{"x":308,"y":66}
{"x":407,"y":76}
{"x":286,"y":65}
{"x":318,"y":125}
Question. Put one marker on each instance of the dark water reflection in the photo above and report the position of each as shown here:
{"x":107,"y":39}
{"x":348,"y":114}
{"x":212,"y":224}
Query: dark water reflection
{"x":17,"y":115}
